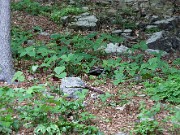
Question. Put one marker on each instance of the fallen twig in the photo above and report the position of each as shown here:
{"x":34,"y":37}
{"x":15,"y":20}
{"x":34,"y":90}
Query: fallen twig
{"x":90,"y":88}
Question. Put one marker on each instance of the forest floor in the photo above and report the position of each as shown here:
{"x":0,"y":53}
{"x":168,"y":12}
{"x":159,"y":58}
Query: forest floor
{"x":116,"y":114}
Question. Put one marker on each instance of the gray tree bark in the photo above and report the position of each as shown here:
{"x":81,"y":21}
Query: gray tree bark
{"x":6,"y":65}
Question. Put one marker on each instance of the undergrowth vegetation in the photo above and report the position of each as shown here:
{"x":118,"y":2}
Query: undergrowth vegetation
{"x":46,"y":110}
{"x":35,"y":107}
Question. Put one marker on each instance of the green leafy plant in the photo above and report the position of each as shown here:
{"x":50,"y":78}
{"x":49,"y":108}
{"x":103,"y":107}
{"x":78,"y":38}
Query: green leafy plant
{"x":19,"y":76}
{"x":49,"y":129}
{"x":174,"y":118}
{"x":166,"y":90}
{"x":31,"y":7}
{"x":48,"y":115}
{"x":105,"y":96}
{"x":7,"y":121}
{"x":18,"y":38}
{"x":153,"y":30}
{"x":69,"y":10}
{"x":147,"y":126}
{"x":60,"y":72}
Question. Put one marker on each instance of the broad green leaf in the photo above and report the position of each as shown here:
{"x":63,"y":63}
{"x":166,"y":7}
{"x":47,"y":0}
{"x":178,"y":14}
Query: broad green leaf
{"x":18,"y":76}
{"x":59,"y":70}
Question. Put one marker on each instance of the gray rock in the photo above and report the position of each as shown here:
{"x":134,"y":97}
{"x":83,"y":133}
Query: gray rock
{"x":151,"y":51}
{"x":151,"y":26}
{"x":165,"y":21}
{"x":121,"y":108}
{"x":170,"y":23}
{"x":154,"y":37}
{"x":44,"y":34}
{"x":153,"y":18}
{"x":129,"y":1}
{"x":115,"y":48}
{"x":90,"y":18}
{"x":141,"y":95}
{"x":83,"y":15}
{"x":118,"y":32}
{"x":127,"y":31}
{"x":85,"y":8}
{"x":164,"y":41}
{"x":85,"y":22}
{"x":128,"y":37}
{"x":65,"y":19}
{"x":70,"y":85}
{"x":94,"y":96}
{"x":121,"y":133}
{"x":72,"y":2}
{"x":30,"y":42}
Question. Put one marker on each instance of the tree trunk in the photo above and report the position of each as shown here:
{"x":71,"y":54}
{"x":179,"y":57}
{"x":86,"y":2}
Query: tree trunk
{"x":6,"y":66}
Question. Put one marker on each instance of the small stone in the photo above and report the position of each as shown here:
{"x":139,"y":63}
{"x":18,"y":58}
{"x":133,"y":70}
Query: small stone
{"x":85,"y":8}
{"x":121,"y":108}
{"x":70,"y":85}
{"x":117,"y":32}
{"x":151,"y":26}
{"x":127,"y":31}
{"x":141,"y":95}
{"x":84,"y":22}
{"x":44,"y":34}
{"x":121,"y":133}
{"x":94,"y":96}
{"x":84,"y":103}
{"x":30,"y":42}
{"x":115,"y":48}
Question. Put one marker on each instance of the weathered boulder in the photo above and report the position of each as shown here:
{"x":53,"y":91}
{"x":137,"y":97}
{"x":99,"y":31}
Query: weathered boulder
{"x":156,"y":36}
{"x":70,"y":85}
{"x":84,"y":22}
{"x":164,"y":41}
{"x":169,"y":23}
